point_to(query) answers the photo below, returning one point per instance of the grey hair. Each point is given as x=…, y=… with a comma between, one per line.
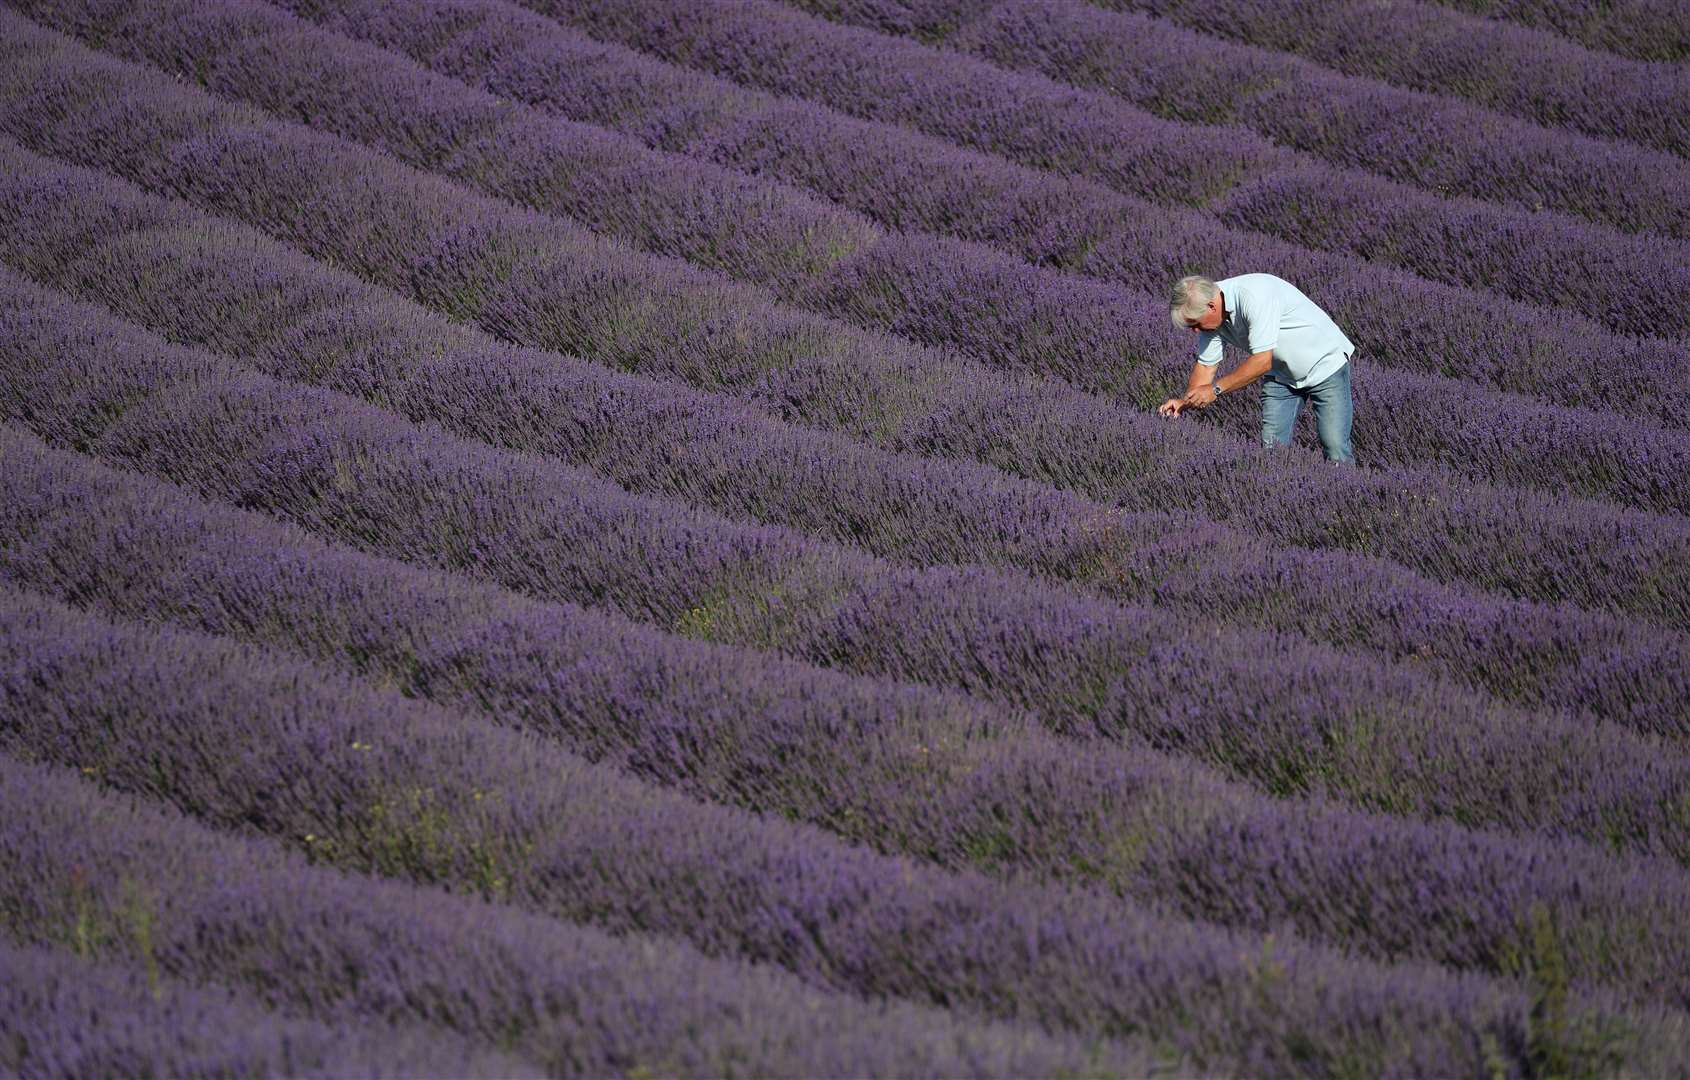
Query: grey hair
x=1190, y=295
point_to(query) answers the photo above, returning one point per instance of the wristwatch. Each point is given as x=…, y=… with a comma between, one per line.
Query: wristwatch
x=1216, y=386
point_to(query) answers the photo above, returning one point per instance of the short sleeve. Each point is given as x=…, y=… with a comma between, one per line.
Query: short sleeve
x=1208, y=348
x=1263, y=313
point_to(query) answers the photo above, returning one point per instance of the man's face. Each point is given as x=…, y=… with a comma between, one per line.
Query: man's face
x=1211, y=317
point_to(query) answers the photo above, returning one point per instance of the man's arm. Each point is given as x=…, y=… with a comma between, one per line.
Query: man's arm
x=1202, y=388
x=1244, y=374
x=1202, y=377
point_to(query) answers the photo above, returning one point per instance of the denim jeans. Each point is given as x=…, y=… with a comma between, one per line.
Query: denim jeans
x=1332, y=412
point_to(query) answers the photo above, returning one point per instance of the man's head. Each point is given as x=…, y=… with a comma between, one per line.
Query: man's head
x=1196, y=303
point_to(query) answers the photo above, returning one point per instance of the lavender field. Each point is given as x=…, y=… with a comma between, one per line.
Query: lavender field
x=633, y=537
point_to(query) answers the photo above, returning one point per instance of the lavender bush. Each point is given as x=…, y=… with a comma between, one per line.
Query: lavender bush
x=509, y=273
x=1639, y=29
x=907, y=181
x=1246, y=182
x=193, y=279
x=401, y=789
x=991, y=308
x=1428, y=47
x=636, y=536
x=151, y=887
x=1086, y=667
x=67, y=1016
x=1420, y=45
x=1429, y=141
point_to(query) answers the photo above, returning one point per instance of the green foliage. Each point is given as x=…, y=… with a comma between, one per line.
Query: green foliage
x=425, y=835
x=821, y=249
x=130, y=927
x=990, y=848
x=1559, y=1044
x=88, y=932
x=137, y=915
x=763, y=607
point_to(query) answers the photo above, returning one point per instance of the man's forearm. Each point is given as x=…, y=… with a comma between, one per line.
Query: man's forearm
x=1201, y=375
x=1244, y=374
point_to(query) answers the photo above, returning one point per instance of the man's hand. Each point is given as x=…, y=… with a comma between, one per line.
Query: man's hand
x=1200, y=398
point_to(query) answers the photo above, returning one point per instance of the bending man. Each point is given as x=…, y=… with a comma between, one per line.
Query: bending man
x=1295, y=349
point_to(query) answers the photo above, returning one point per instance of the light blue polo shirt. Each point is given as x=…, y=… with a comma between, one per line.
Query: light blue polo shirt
x=1264, y=312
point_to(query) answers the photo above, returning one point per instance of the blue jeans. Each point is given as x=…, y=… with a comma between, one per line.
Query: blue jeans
x=1332, y=412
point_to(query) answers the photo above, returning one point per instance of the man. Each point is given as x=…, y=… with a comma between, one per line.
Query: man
x=1294, y=348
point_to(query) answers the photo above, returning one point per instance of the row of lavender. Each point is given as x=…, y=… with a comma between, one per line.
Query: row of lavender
x=1639, y=29
x=1031, y=320
x=1417, y=44
x=193, y=278
x=388, y=786
x=1433, y=142
x=149, y=888
x=1086, y=667
x=67, y=1014
x=1242, y=181
x=129, y=543
x=1427, y=47
x=399, y=788
x=531, y=279
x=1035, y=320
x=1278, y=1014
x=908, y=181
x=247, y=581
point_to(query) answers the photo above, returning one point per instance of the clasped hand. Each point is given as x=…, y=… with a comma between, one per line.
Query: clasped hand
x=1200, y=398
